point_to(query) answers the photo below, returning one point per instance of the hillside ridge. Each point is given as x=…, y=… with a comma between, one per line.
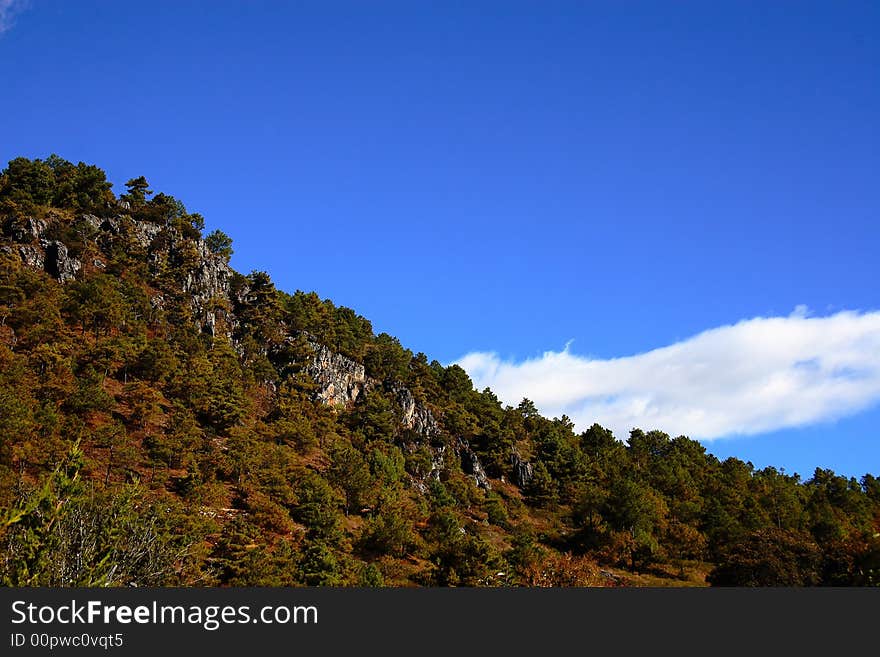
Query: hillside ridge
x=340, y=379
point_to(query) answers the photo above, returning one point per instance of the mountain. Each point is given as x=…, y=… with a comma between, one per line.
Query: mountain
x=167, y=420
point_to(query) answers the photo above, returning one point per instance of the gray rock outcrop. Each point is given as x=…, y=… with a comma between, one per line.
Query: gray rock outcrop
x=463, y=455
x=59, y=263
x=206, y=283
x=415, y=415
x=521, y=471
x=32, y=257
x=470, y=464
x=145, y=232
x=340, y=379
x=25, y=230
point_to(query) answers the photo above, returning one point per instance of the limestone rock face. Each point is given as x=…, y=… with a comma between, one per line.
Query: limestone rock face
x=470, y=465
x=340, y=379
x=58, y=262
x=521, y=471
x=208, y=281
x=145, y=232
x=32, y=257
x=462, y=453
x=37, y=252
x=25, y=230
x=415, y=415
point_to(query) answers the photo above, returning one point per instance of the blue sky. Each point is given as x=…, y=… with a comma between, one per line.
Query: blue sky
x=490, y=182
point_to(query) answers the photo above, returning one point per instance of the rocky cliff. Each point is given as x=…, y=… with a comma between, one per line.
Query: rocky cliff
x=38, y=250
x=340, y=379
x=207, y=279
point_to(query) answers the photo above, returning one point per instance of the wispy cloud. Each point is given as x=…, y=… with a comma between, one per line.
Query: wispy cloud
x=9, y=9
x=755, y=376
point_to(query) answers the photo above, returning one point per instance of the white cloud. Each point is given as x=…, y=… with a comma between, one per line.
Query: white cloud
x=758, y=375
x=8, y=11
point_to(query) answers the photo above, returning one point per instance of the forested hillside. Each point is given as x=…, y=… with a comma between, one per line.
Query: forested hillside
x=165, y=420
